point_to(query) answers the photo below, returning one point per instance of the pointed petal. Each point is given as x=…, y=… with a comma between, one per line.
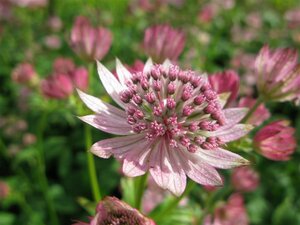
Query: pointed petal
x=122, y=72
x=232, y=133
x=165, y=169
x=135, y=162
x=98, y=106
x=199, y=171
x=148, y=66
x=107, y=124
x=221, y=158
x=233, y=116
x=117, y=146
x=166, y=64
x=110, y=83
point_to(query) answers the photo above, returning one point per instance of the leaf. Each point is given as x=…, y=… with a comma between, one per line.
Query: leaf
x=7, y=218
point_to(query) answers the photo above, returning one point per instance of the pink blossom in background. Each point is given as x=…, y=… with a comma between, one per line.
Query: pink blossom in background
x=90, y=43
x=152, y=5
x=171, y=123
x=293, y=18
x=260, y=115
x=28, y=139
x=254, y=20
x=5, y=10
x=226, y=82
x=278, y=74
x=80, y=78
x=24, y=73
x=231, y=213
x=52, y=41
x=207, y=13
x=244, y=179
x=55, y=23
x=163, y=42
x=57, y=86
x=30, y=3
x=276, y=141
x=115, y=212
x=63, y=65
x=4, y=190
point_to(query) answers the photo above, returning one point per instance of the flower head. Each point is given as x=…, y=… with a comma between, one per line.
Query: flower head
x=260, y=115
x=233, y=212
x=278, y=74
x=276, y=141
x=163, y=42
x=113, y=211
x=4, y=190
x=226, y=82
x=24, y=73
x=245, y=179
x=89, y=42
x=172, y=124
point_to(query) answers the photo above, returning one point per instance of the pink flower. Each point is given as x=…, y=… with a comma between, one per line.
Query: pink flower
x=276, y=141
x=260, y=115
x=24, y=73
x=80, y=78
x=63, y=65
x=232, y=213
x=52, y=41
x=208, y=13
x=163, y=42
x=55, y=23
x=293, y=18
x=172, y=123
x=278, y=75
x=4, y=190
x=57, y=86
x=30, y=3
x=113, y=211
x=89, y=42
x=244, y=179
x=226, y=82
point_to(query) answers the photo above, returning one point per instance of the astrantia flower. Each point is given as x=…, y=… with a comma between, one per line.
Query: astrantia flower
x=163, y=42
x=276, y=141
x=24, y=73
x=278, y=74
x=172, y=123
x=112, y=211
x=89, y=42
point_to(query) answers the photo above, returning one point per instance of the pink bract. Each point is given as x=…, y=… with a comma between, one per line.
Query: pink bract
x=278, y=74
x=113, y=211
x=90, y=43
x=276, y=141
x=260, y=115
x=226, y=82
x=172, y=124
x=163, y=42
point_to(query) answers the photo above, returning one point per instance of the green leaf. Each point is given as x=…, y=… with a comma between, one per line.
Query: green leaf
x=7, y=218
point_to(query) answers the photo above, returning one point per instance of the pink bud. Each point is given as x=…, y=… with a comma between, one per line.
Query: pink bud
x=24, y=73
x=276, y=141
x=245, y=179
x=63, y=65
x=57, y=86
x=4, y=190
x=80, y=78
x=89, y=42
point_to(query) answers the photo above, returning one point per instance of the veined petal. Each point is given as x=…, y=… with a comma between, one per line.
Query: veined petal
x=221, y=158
x=122, y=72
x=199, y=171
x=148, y=66
x=98, y=106
x=233, y=116
x=107, y=124
x=232, y=133
x=110, y=83
x=117, y=146
x=135, y=162
x=165, y=169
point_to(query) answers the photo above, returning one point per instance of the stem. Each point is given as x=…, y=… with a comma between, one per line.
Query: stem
x=91, y=165
x=173, y=203
x=41, y=171
x=140, y=183
x=252, y=110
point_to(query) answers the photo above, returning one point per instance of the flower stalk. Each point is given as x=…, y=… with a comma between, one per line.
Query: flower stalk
x=252, y=110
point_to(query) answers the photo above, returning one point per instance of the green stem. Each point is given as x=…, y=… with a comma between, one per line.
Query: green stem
x=91, y=165
x=42, y=171
x=173, y=203
x=140, y=183
x=252, y=110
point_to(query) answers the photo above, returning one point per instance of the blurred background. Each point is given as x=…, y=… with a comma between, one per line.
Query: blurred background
x=43, y=163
